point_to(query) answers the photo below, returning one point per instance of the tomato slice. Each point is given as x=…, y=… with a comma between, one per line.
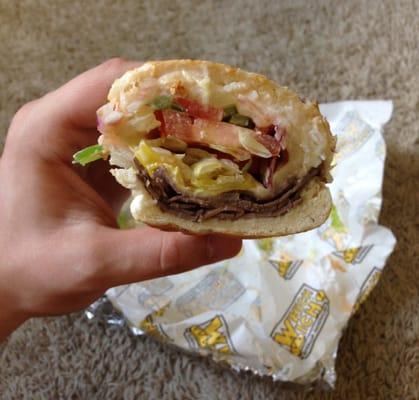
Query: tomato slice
x=198, y=110
x=218, y=133
x=227, y=135
x=183, y=126
x=175, y=123
x=221, y=135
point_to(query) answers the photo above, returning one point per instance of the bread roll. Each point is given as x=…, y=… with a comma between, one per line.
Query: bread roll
x=208, y=148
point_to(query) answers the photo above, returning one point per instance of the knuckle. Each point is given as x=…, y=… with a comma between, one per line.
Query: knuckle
x=91, y=255
x=170, y=256
x=91, y=258
x=115, y=63
x=89, y=270
x=22, y=122
x=24, y=112
x=86, y=259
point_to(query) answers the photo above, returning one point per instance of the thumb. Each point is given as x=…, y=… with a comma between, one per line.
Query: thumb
x=135, y=255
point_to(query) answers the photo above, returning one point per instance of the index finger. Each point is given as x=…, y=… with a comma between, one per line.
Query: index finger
x=76, y=102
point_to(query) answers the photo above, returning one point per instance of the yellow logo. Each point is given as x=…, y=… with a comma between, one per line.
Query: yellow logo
x=366, y=288
x=210, y=335
x=300, y=326
x=286, y=268
x=151, y=328
x=354, y=255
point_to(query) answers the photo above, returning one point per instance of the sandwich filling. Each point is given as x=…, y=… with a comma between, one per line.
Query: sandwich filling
x=212, y=149
x=229, y=205
x=202, y=162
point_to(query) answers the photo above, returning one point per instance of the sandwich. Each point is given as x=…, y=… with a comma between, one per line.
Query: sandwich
x=208, y=148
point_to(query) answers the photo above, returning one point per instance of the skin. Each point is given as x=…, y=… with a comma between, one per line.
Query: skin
x=60, y=248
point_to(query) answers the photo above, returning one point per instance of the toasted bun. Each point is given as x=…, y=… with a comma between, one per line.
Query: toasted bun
x=309, y=140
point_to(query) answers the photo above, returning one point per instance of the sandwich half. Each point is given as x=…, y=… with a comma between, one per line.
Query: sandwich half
x=208, y=148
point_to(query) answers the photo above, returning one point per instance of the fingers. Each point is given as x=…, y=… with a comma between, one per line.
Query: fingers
x=140, y=254
x=76, y=102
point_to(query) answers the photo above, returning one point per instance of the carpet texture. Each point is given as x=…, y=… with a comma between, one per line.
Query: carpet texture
x=328, y=50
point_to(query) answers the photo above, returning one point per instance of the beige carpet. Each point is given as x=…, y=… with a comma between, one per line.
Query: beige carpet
x=326, y=50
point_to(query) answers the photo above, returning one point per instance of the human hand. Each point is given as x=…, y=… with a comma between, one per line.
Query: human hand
x=60, y=248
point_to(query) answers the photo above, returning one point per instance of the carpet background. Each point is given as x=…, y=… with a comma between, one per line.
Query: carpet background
x=328, y=50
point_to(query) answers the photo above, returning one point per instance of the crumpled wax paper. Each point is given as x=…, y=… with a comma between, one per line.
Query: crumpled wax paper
x=279, y=307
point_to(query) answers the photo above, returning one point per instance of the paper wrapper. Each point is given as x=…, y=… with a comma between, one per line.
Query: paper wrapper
x=280, y=306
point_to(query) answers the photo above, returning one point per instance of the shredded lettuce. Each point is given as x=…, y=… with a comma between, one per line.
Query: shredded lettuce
x=228, y=112
x=240, y=120
x=165, y=102
x=88, y=155
x=162, y=102
x=231, y=115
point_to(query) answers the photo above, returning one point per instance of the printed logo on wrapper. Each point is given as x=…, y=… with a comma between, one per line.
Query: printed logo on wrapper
x=217, y=291
x=301, y=324
x=286, y=267
x=366, y=288
x=354, y=255
x=149, y=326
x=210, y=335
